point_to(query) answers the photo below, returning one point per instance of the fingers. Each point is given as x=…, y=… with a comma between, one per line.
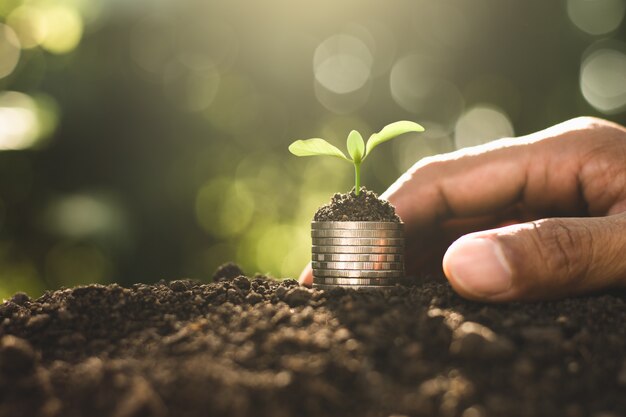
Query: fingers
x=539, y=260
x=572, y=169
x=558, y=171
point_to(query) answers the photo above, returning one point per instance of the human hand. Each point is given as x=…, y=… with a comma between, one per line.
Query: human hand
x=508, y=194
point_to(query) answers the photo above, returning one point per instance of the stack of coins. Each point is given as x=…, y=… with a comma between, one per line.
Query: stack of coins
x=357, y=254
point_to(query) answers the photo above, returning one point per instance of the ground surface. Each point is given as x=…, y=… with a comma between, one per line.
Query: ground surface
x=255, y=347
x=351, y=207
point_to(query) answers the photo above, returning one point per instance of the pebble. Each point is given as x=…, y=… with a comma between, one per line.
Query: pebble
x=20, y=298
x=280, y=292
x=180, y=285
x=16, y=355
x=253, y=298
x=72, y=339
x=38, y=321
x=473, y=340
x=297, y=296
x=64, y=315
x=242, y=283
x=226, y=272
x=233, y=295
x=289, y=282
x=474, y=411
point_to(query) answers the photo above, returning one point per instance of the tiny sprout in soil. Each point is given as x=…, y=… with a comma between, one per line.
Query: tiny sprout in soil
x=357, y=148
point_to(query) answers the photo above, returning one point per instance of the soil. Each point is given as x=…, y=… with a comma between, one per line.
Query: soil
x=350, y=207
x=259, y=347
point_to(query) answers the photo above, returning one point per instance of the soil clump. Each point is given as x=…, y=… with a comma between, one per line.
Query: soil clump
x=350, y=207
x=260, y=347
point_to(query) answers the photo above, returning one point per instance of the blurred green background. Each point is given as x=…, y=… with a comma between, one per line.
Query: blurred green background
x=147, y=139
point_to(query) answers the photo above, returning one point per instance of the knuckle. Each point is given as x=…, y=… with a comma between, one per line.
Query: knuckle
x=602, y=174
x=564, y=247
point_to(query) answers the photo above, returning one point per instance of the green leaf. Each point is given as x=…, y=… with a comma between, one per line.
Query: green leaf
x=313, y=147
x=391, y=131
x=356, y=146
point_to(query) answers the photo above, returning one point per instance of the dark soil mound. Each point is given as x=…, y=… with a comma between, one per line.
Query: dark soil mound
x=256, y=347
x=350, y=207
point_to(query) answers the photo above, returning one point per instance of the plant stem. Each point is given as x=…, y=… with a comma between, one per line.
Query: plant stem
x=357, y=178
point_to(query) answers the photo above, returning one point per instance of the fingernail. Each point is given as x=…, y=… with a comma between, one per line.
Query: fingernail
x=478, y=266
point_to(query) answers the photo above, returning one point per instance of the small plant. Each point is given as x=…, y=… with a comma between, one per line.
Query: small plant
x=357, y=148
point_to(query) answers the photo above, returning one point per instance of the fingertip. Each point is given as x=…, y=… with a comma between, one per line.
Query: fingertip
x=477, y=268
x=306, y=277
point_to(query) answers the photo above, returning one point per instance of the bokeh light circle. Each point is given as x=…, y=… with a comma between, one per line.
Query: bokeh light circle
x=63, y=29
x=417, y=85
x=29, y=24
x=9, y=50
x=603, y=79
x=596, y=17
x=90, y=215
x=224, y=207
x=192, y=82
x=26, y=120
x=380, y=42
x=481, y=124
x=19, y=126
x=342, y=103
x=342, y=64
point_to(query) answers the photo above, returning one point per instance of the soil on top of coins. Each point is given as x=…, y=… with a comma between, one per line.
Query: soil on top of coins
x=258, y=347
x=350, y=207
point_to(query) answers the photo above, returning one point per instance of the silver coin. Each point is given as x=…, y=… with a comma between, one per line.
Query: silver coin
x=357, y=249
x=354, y=281
x=357, y=225
x=350, y=273
x=357, y=257
x=376, y=266
x=357, y=241
x=356, y=233
x=352, y=287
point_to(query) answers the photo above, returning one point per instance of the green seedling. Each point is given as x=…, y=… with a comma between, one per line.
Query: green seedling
x=357, y=149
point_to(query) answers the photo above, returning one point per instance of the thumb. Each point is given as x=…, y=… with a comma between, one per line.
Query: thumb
x=539, y=260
